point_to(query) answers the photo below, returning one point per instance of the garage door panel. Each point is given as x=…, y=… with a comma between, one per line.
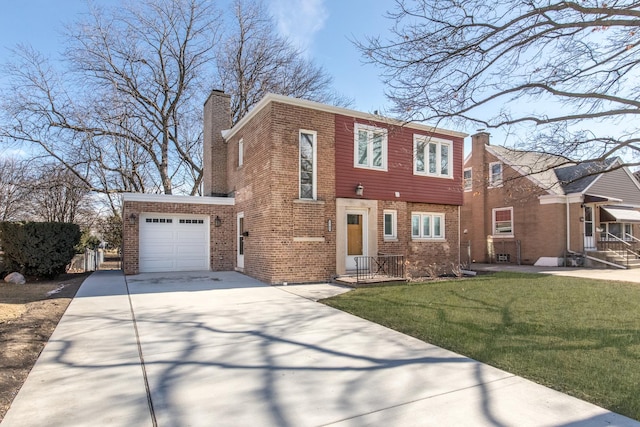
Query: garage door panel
x=191, y=236
x=172, y=243
x=189, y=251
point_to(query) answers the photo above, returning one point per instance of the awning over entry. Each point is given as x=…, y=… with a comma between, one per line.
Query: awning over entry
x=619, y=214
x=593, y=198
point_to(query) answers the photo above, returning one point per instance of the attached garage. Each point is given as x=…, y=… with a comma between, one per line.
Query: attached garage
x=173, y=243
x=177, y=233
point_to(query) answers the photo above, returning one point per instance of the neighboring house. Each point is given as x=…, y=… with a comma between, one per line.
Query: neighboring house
x=535, y=208
x=297, y=191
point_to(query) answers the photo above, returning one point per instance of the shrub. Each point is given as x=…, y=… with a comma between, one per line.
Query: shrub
x=42, y=249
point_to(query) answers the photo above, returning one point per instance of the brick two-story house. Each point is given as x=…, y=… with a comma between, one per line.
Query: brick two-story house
x=536, y=208
x=296, y=190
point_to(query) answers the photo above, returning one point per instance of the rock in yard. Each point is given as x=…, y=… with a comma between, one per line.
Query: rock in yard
x=15, y=278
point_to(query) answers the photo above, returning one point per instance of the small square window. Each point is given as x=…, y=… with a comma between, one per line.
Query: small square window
x=390, y=225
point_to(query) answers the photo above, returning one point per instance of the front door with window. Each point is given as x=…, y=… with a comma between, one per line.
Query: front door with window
x=356, y=237
x=589, y=237
x=240, y=227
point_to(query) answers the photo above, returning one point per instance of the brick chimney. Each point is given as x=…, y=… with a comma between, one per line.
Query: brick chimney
x=480, y=219
x=217, y=117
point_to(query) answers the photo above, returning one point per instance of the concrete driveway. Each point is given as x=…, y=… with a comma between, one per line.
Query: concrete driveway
x=223, y=349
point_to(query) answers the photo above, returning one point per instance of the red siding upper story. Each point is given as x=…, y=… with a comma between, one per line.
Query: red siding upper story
x=399, y=177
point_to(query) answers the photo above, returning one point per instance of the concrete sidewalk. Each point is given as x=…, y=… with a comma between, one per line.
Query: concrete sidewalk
x=224, y=349
x=630, y=275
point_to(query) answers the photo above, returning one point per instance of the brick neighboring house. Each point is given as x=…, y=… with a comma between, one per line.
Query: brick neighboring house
x=297, y=189
x=534, y=208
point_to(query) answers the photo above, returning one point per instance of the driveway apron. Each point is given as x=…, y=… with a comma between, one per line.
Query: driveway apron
x=223, y=349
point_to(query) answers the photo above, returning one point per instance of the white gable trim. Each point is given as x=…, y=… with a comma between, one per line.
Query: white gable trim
x=170, y=198
x=519, y=170
x=549, y=199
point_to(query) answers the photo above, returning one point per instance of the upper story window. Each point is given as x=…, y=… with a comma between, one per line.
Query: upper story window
x=432, y=156
x=467, y=179
x=240, y=153
x=502, y=222
x=370, y=148
x=308, y=164
x=495, y=174
x=390, y=225
x=427, y=225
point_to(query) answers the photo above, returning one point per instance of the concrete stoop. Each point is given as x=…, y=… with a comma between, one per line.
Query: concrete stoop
x=615, y=258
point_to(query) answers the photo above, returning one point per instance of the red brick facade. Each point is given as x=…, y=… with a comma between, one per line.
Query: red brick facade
x=295, y=240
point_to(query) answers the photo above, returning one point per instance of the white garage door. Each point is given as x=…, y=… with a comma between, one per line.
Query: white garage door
x=173, y=243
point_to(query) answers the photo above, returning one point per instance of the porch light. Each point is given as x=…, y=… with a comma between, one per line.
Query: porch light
x=217, y=221
x=359, y=190
x=132, y=218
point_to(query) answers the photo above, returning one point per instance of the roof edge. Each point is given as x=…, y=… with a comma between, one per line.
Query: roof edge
x=172, y=198
x=272, y=97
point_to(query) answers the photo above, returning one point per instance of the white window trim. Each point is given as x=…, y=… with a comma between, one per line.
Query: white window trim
x=240, y=152
x=464, y=182
x=422, y=236
x=417, y=139
x=370, y=129
x=394, y=225
x=495, y=184
x=314, y=188
x=493, y=223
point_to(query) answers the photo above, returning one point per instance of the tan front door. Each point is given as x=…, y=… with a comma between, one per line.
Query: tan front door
x=355, y=237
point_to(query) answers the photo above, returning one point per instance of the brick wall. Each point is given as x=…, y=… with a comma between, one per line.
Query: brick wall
x=217, y=117
x=421, y=255
x=541, y=229
x=288, y=238
x=222, y=239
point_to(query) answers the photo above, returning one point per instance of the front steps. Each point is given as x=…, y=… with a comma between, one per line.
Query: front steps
x=616, y=258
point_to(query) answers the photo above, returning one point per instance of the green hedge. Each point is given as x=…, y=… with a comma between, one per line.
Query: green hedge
x=41, y=249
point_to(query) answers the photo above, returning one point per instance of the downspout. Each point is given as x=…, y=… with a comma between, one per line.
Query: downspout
x=459, y=238
x=568, y=226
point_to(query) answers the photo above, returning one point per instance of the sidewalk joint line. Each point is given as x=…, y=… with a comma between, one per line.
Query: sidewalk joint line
x=145, y=378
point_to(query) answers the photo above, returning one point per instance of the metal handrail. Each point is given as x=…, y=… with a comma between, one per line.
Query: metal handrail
x=615, y=238
x=631, y=237
x=381, y=266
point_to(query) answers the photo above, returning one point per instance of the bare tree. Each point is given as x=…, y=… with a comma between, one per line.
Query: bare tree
x=135, y=83
x=13, y=192
x=566, y=71
x=58, y=195
x=255, y=60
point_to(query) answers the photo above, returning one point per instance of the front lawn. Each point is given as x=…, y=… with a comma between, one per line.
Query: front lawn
x=579, y=336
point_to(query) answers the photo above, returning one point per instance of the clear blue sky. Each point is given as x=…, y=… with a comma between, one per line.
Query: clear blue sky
x=324, y=28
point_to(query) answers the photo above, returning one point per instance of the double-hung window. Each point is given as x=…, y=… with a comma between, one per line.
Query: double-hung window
x=432, y=156
x=390, y=225
x=370, y=147
x=426, y=225
x=502, y=222
x=495, y=174
x=308, y=164
x=467, y=179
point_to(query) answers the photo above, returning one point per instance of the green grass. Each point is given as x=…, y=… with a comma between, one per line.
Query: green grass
x=578, y=336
